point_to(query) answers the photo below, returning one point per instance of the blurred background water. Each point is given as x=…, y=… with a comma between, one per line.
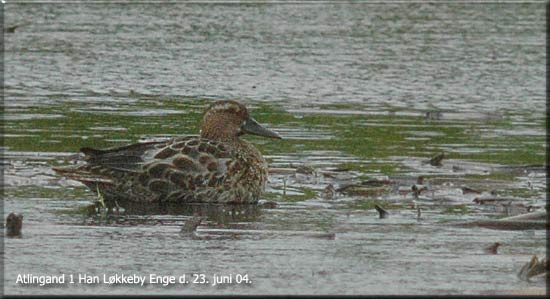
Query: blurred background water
x=410, y=80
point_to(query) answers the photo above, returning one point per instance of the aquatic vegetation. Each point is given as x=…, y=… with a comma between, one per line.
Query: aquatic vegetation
x=370, y=204
x=344, y=92
x=364, y=136
x=307, y=193
x=373, y=139
x=521, y=193
x=457, y=209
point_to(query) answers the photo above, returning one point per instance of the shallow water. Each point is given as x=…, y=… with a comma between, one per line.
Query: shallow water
x=358, y=91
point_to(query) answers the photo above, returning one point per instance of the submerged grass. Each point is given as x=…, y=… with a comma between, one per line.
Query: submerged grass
x=457, y=209
x=493, y=176
x=307, y=193
x=383, y=136
x=524, y=193
x=367, y=137
x=374, y=139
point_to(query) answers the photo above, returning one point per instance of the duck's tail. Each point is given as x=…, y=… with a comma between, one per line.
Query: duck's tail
x=81, y=174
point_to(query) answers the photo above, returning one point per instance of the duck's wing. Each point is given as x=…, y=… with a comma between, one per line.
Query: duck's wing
x=178, y=164
x=188, y=164
x=128, y=158
x=101, y=165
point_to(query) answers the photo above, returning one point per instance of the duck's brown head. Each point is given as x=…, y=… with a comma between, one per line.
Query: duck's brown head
x=227, y=120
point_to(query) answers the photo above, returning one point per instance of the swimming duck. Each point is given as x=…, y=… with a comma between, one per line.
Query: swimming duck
x=215, y=167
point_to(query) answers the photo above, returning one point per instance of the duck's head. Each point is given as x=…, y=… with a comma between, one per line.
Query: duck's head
x=227, y=120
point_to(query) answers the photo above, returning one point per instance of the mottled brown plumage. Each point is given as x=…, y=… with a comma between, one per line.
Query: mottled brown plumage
x=216, y=166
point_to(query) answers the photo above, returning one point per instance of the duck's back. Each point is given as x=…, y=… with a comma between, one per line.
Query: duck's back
x=184, y=169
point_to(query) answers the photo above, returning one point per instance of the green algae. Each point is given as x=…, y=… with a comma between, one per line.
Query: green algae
x=28, y=191
x=493, y=176
x=457, y=209
x=308, y=193
x=384, y=136
x=373, y=139
x=366, y=137
x=523, y=193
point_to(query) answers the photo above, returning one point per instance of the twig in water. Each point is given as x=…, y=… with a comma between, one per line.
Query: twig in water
x=99, y=196
x=14, y=224
x=11, y=29
x=329, y=192
x=466, y=190
x=190, y=226
x=284, y=186
x=117, y=208
x=492, y=249
x=382, y=213
x=436, y=160
x=533, y=268
x=269, y=205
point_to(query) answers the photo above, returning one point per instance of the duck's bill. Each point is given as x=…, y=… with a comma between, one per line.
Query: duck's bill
x=251, y=126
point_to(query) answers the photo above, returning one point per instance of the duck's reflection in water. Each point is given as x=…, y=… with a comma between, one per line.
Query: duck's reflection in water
x=213, y=215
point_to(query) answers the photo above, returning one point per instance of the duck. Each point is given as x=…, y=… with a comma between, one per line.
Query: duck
x=217, y=166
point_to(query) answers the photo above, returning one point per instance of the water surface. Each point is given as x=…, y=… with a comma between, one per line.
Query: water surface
x=359, y=91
